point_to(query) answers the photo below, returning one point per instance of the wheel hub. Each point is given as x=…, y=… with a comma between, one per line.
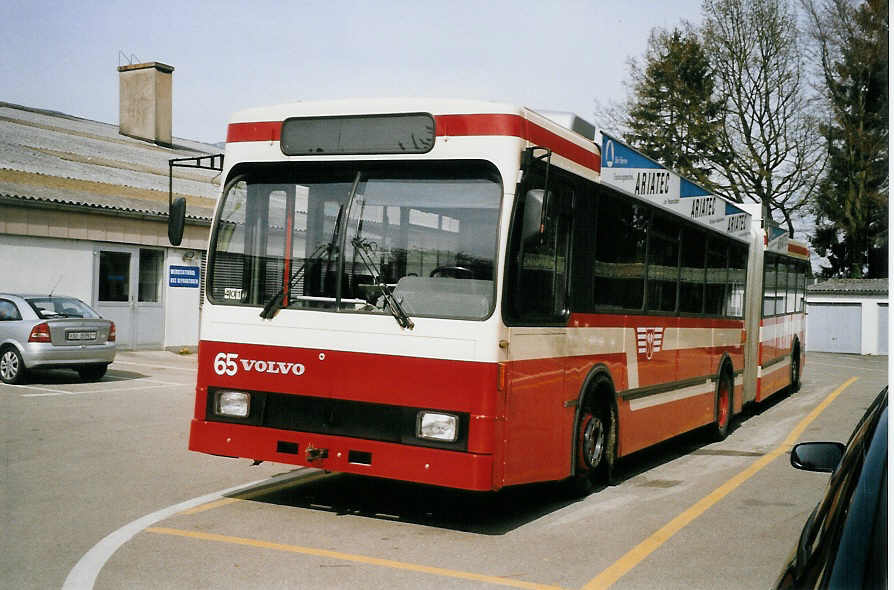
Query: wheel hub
x=593, y=442
x=9, y=365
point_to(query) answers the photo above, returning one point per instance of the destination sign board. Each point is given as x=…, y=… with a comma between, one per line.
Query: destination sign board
x=630, y=171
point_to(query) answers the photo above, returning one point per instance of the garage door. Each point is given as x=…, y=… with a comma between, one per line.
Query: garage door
x=883, y=328
x=833, y=327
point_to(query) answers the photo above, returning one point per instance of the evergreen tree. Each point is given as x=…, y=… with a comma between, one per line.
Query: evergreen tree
x=852, y=204
x=672, y=116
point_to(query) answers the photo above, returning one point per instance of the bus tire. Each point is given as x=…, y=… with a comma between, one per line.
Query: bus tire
x=594, y=447
x=795, y=374
x=723, y=405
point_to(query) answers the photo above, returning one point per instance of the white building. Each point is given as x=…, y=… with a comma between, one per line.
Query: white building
x=848, y=315
x=83, y=211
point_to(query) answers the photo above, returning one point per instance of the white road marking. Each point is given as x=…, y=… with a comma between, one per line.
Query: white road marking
x=58, y=392
x=156, y=365
x=83, y=575
x=46, y=389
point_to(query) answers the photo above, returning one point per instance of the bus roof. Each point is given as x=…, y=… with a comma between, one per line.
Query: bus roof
x=453, y=118
x=372, y=106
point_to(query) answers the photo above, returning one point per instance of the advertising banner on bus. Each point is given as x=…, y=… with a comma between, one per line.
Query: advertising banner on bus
x=625, y=168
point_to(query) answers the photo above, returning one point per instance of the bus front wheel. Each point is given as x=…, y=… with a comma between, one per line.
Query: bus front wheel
x=594, y=448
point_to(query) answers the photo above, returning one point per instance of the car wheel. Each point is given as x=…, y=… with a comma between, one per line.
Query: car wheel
x=12, y=367
x=92, y=372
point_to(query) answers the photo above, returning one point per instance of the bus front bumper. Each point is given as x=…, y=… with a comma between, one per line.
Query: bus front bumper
x=454, y=469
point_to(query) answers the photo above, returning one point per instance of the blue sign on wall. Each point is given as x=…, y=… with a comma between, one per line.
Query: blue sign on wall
x=184, y=276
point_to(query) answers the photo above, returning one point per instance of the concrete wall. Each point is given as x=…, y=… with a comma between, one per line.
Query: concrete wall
x=25, y=221
x=181, y=304
x=35, y=265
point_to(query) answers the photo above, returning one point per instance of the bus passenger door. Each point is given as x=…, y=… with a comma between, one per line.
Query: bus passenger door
x=537, y=310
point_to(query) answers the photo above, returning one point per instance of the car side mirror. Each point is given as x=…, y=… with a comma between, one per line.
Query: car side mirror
x=176, y=221
x=817, y=456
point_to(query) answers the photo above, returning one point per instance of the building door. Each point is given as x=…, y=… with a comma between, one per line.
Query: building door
x=834, y=327
x=883, y=328
x=128, y=291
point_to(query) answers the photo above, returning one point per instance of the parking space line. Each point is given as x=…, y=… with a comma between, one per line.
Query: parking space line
x=59, y=393
x=632, y=558
x=363, y=559
x=83, y=575
x=44, y=389
x=156, y=365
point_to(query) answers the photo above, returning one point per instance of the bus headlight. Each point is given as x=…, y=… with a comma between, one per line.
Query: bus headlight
x=437, y=426
x=235, y=404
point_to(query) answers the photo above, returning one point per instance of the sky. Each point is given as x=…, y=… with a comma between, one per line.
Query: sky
x=544, y=54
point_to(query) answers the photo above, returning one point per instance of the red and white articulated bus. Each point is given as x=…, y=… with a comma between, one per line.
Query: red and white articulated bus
x=476, y=295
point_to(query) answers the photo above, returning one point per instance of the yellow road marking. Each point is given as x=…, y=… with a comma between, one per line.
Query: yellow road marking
x=633, y=557
x=251, y=494
x=437, y=571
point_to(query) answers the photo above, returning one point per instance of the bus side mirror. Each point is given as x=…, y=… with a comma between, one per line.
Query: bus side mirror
x=534, y=222
x=176, y=221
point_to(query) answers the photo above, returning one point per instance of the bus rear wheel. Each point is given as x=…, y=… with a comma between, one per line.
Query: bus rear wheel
x=795, y=371
x=723, y=406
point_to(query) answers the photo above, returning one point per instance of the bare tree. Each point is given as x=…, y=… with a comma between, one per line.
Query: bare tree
x=771, y=152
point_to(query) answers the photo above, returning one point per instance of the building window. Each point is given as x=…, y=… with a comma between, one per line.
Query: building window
x=114, y=276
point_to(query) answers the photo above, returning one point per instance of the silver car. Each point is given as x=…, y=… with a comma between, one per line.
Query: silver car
x=53, y=331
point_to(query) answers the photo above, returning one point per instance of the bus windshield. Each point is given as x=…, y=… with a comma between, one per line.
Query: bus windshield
x=343, y=237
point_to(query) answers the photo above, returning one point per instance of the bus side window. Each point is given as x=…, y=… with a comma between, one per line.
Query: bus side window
x=692, y=271
x=717, y=270
x=664, y=262
x=769, y=286
x=619, y=265
x=735, y=291
x=540, y=282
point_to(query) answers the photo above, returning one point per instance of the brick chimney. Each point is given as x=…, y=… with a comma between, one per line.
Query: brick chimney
x=145, y=101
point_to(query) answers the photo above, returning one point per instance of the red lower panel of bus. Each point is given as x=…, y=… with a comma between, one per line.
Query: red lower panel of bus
x=774, y=381
x=348, y=455
x=642, y=428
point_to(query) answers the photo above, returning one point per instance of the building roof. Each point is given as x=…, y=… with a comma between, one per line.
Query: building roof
x=50, y=159
x=850, y=287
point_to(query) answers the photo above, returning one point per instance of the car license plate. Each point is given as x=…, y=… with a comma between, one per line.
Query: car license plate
x=81, y=336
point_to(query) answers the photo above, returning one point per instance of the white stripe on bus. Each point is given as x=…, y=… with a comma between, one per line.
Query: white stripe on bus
x=672, y=396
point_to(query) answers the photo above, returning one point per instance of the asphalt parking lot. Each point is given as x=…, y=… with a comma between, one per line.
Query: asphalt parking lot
x=99, y=491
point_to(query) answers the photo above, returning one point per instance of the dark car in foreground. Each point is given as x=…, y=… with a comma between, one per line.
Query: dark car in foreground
x=52, y=331
x=845, y=541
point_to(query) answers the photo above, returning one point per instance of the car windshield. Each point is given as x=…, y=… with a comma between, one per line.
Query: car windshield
x=61, y=307
x=405, y=239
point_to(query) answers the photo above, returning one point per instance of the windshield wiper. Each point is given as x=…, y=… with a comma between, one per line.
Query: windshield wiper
x=365, y=249
x=275, y=303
